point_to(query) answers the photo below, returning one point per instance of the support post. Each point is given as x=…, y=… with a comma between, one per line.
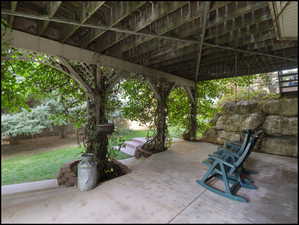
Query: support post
x=157, y=144
x=190, y=133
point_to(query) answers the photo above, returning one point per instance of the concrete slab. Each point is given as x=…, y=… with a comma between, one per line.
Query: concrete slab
x=162, y=189
x=275, y=200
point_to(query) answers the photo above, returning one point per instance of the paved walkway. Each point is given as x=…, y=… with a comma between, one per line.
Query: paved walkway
x=162, y=189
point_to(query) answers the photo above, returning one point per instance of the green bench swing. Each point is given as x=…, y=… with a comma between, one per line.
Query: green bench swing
x=233, y=150
x=228, y=168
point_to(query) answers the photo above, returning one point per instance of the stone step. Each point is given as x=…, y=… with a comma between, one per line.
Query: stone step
x=132, y=144
x=139, y=139
x=128, y=150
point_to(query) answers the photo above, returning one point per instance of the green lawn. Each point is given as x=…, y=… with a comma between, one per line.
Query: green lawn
x=46, y=165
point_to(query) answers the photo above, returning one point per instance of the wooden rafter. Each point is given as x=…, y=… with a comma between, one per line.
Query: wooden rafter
x=38, y=44
x=125, y=14
x=172, y=53
x=157, y=13
x=203, y=31
x=52, y=9
x=13, y=9
x=46, y=18
x=178, y=22
x=89, y=8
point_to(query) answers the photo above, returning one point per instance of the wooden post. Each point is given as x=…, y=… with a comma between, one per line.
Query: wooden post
x=190, y=134
x=161, y=89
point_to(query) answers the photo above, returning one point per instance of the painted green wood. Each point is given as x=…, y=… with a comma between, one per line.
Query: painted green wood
x=229, y=169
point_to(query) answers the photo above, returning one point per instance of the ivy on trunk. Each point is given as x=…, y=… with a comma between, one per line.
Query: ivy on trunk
x=190, y=134
x=161, y=89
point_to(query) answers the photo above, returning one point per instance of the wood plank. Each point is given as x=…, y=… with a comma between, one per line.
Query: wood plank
x=13, y=9
x=31, y=42
x=126, y=13
x=89, y=8
x=144, y=34
x=53, y=7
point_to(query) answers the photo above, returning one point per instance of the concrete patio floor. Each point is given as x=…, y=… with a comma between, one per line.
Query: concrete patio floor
x=162, y=189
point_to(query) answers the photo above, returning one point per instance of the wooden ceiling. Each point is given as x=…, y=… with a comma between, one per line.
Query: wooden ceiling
x=195, y=40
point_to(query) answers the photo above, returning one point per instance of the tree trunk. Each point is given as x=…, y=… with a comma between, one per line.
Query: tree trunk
x=62, y=131
x=97, y=142
x=190, y=134
x=157, y=143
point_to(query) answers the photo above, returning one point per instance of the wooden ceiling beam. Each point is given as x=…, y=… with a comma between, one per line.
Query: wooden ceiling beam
x=187, y=53
x=89, y=8
x=158, y=11
x=53, y=6
x=191, y=28
x=46, y=18
x=157, y=55
x=117, y=16
x=203, y=31
x=13, y=9
x=35, y=43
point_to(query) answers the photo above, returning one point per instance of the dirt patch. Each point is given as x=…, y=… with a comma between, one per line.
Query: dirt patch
x=36, y=145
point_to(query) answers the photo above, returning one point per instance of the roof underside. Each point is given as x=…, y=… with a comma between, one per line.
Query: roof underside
x=169, y=36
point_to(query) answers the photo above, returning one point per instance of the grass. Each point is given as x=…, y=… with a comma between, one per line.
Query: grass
x=36, y=167
x=45, y=165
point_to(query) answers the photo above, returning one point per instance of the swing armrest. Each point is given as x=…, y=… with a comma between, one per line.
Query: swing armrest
x=221, y=161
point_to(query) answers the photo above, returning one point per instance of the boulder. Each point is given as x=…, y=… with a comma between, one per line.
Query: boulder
x=220, y=122
x=212, y=132
x=229, y=107
x=287, y=146
x=245, y=107
x=229, y=136
x=253, y=121
x=68, y=174
x=277, y=117
x=234, y=122
x=280, y=125
x=283, y=107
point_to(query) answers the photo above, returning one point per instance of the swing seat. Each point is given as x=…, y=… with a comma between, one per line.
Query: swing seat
x=233, y=147
x=234, y=153
x=229, y=171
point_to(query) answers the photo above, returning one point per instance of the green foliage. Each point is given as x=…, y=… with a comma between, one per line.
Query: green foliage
x=25, y=82
x=178, y=108
x=26, y=122
x=139, y=101
x=243, y=91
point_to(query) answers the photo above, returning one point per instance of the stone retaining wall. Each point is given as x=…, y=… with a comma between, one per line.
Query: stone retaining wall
x=277, y=117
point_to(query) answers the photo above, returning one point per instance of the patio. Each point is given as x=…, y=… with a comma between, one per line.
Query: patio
x=162, y=189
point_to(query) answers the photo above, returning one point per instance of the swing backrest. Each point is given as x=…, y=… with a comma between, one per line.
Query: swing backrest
x=256, y=137
x=249, y=147
x=248, y=133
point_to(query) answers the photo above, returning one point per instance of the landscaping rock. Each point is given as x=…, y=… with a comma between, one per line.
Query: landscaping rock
x=277, y=117
x=229, y=136
x=287, y=146
x=253, y=121
x=234, y=122
x=67, y=175
x=283, y=107
x=279, y=125
x=244, y=107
